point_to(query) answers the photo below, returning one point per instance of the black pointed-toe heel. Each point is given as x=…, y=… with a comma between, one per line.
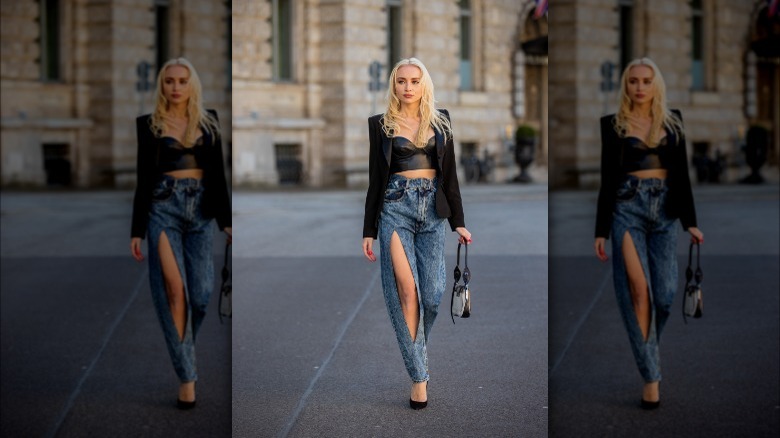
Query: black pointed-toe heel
x=417, y=405
x=650, y=405
x=185, y=405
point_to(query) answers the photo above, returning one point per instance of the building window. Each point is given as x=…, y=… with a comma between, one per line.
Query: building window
x=466, y=77
x=229, y=44
x=697, y=49
x=288, y=163
x=282, y=16
x=50, y=40
x=56, y=163
x=162, y=31
x=394, y=33
x=626, y=8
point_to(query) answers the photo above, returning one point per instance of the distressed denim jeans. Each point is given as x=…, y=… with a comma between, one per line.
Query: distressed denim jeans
x=410, y=210
x=640, y=211
x=177, y=211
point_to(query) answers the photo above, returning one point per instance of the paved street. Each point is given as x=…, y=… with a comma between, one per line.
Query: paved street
x=314, y=353
x=720, y=372
x=82, y=351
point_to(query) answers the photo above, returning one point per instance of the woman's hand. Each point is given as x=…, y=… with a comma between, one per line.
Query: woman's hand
x=599, y=247
x=229, y=232
x=135, y=249
x=368, y=245
x=696, y=235
x=465, y=236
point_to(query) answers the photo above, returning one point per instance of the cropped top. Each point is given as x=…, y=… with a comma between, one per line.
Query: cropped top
x=176, y=156
x=406, y=156
x=638, y=156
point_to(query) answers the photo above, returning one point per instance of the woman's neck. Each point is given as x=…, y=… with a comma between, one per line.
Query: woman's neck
x=641, y=110
x=177, y=111
x=410, y=111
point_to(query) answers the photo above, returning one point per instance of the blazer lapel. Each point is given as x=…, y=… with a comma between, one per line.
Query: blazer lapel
x=440, y=149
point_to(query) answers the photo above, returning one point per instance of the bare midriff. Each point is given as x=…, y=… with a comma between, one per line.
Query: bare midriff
x=186, y=173
x=418, y=173
x=649, y=173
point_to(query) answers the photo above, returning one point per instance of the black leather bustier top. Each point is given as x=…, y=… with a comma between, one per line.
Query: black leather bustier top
x=175, y=156
x=638, y=156
x=406, y=156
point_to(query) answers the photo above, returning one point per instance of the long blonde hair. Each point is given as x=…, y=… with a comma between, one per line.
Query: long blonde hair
x=197, y=116
x=429, y=116
x=659, y=112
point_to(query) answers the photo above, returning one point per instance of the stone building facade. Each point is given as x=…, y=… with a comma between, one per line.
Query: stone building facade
x=301, y=81
x=706, y=50
x=72, y=76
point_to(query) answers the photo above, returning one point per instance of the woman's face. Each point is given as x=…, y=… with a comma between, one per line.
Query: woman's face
x=640, y=87
x=408, y=84
x=176, y=84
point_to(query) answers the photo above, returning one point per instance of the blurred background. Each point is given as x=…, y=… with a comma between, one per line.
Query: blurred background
x=75, y=74
x=721, y=64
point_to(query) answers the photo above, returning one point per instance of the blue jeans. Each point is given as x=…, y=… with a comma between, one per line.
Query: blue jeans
x=177, y=211
x=410, y=210
x=640, y=211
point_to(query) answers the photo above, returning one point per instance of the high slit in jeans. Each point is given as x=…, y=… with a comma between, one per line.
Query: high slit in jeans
x=177, y=211
x=640, y=210
x=410, y=210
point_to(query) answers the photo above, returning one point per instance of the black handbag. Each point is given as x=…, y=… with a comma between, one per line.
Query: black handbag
x=226, y=291
x=692, y=298
x=460, y=303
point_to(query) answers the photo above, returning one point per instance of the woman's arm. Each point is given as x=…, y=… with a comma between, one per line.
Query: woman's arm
x=374, y=190
x=606, y=200
x=144, y=169
x=684, y=195
x=222, y=210
x=450, y=183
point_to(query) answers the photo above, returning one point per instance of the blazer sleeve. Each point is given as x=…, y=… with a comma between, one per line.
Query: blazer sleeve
x=144, y=172
x=686, y=208
x=222, y=211
x=450, y=182
x=374, y=190
x=609, y=174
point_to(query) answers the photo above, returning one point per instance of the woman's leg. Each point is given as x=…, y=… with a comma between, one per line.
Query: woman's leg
x=404, y=280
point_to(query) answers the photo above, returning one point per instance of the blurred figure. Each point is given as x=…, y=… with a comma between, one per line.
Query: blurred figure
x=181, y=187
x=645, y=188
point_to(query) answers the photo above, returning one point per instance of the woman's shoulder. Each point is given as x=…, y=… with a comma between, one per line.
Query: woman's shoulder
x=213, y=112
x=376, y=118
x=608, y=118
x=143, y=118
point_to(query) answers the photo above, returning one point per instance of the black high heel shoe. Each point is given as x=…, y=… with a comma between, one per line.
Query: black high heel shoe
x=650, y=405
x=184, y=405
x=417, y=405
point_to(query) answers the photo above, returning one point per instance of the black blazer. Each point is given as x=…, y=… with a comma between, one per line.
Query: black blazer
x=216, y=201
x=448, y=202
x=679, y=201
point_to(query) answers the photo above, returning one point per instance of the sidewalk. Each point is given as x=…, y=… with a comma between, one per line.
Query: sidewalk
x=82, y=351
x=720, y=372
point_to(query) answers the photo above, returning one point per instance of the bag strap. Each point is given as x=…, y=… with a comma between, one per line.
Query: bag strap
x=225, y=276
x=689, y=273
x=457, y=275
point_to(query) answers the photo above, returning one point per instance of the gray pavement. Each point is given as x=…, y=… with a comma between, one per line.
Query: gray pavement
x=82, y=351
x=314, y=353
x=720, y=372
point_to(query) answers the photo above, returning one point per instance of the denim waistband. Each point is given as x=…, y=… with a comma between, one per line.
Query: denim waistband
x=649, y=183
x=182, y=183
x=411, y=183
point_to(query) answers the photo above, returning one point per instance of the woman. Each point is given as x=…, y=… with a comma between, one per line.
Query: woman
x=644, y=188
x=412, y=188
x=181, y=186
